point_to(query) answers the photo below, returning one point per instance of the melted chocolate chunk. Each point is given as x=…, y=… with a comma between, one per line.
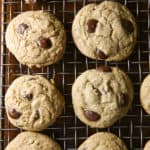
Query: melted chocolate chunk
x=91, y=25
x=31, y=79
x=28, y=96
x=13, y=113
x=44, y=42
x=21, y=28
x=127, y=25
x=37, y=115
x=104, y=69
x=92, y=116
x=100, y=54
x=123, y=100
x=97, y=91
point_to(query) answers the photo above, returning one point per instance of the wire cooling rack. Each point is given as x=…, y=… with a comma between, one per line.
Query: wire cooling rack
x=134, y=128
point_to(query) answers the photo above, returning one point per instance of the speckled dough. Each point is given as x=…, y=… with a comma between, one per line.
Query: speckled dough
x=103, y=141
x=101, y=97
x=145, y=94
x=33, y=103
x=32, y=141
x=112, y=35
x=23, y=34
x=147, y=145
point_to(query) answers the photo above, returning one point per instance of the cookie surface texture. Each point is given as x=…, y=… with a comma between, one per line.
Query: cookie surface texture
x=102, y=96
x=147, y=145
x=105, y=31
x=33, y=103
x=32, y=141
x=145, y=94
x=103, y=141
x=36, y=38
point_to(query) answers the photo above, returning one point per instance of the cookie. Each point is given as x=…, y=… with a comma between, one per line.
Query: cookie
x=103, y=141
x=147, y=145
x=33, y=103
x=31, y=1
x=32, y=141
x=102, y=96
x=34, y=1
x=145, y=94
x=105, y=31
x=36, y=38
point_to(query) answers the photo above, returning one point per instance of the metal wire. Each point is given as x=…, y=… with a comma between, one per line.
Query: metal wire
x=68, y=130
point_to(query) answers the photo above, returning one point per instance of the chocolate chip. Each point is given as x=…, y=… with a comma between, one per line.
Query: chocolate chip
x=92, y=116
x=100, y=54
x=31, y=79
x=91, y=25
x=97, y=91
x=28, y=96
x=13, y=113
x=44, y=42
x=37, y=115
x=21, y=28
x=104, y=69
x=127, y=25
x=123, y=100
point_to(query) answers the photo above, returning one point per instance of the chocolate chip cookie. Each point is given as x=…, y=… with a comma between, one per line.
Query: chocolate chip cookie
x=103, y=141
x=147, y=145
x=36, y=38
x=33, y=103
x=32, y=1
x=145, y=94
x=102, y=96
x=32, y=141
x=105, y=31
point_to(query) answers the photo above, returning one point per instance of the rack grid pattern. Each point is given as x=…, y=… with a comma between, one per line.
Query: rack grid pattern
x=134, y=128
